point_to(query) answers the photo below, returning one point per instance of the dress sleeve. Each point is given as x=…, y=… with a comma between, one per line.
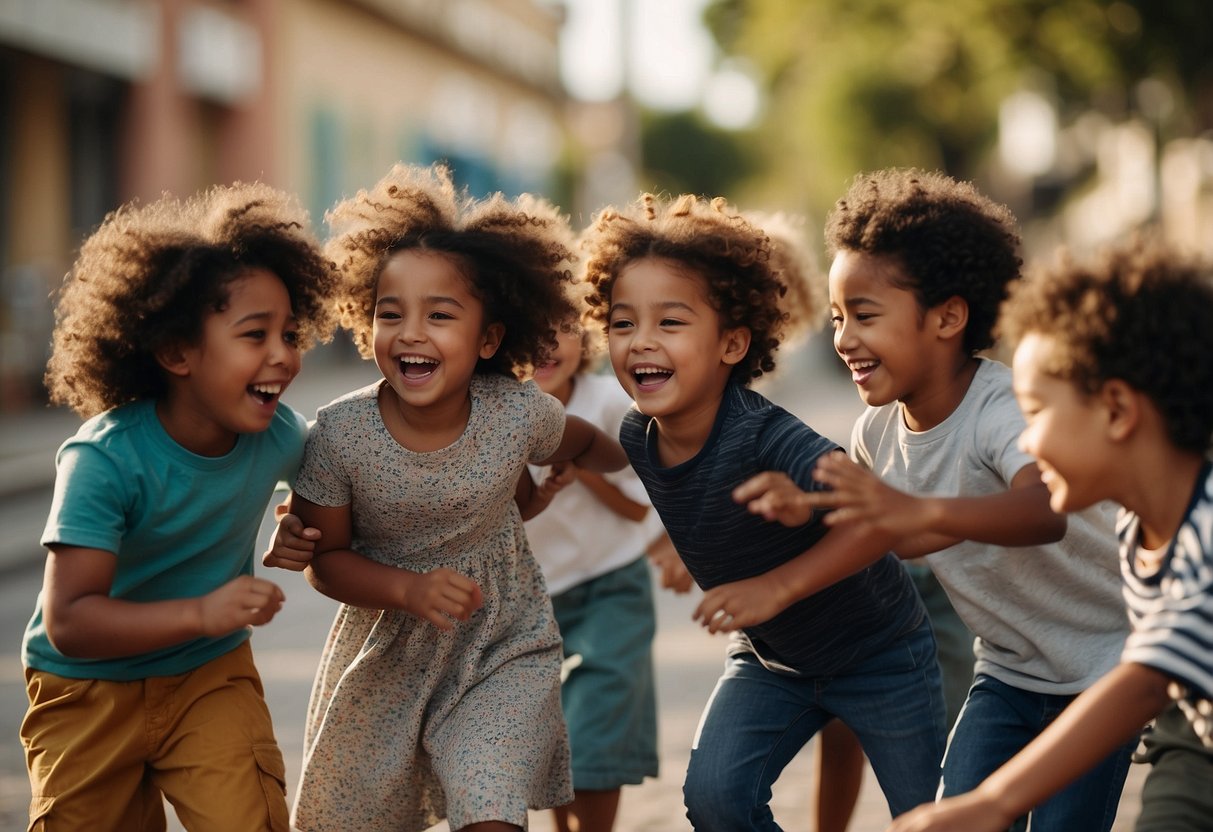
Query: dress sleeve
x=546, y=422
x=323, y=476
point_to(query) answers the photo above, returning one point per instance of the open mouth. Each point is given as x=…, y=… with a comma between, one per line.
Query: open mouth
x=861, y=371
x=416, y=367
x=265, y=393
x=546, y=369
x=650, y=378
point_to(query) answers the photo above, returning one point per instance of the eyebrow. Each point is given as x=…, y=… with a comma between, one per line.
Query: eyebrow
x=668, y=304
x=431, y=299
x=260, y=316
x=860, y=300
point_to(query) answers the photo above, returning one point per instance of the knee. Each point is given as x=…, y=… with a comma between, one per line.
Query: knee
x=716, y=802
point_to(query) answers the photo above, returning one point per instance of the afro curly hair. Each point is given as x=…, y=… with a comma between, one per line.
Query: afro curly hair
x=149, y=275
x=805, y=301
x=515, y=254
x=1109, y=319
x=950, y=238
x=713, y=240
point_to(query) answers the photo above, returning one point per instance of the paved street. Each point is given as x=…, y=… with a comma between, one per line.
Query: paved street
x=688, y=661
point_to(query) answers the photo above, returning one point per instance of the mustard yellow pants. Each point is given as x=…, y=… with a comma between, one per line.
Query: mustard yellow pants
x=101, y=754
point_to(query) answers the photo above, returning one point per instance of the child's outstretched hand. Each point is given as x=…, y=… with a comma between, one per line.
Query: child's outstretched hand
x=859, y=496
x=238, y=603
x=560, y=475
x=294, y=545
x=963, y=813
x=776, y=497
x=741, y=604
x=665, y=557
x=440, y=596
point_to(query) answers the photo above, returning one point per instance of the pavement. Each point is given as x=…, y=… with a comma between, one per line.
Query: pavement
x=809, y=383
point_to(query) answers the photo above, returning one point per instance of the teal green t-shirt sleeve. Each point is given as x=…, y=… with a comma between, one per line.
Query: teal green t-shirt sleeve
x=89, y=507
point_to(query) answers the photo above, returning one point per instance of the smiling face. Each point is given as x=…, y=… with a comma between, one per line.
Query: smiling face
x=878, y=327
x=555, y=376
x=666, y=343
x=1065, y=429
x=230, y=381
x=429, y=329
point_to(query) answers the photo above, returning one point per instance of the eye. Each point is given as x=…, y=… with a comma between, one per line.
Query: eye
x=441, y=316
x=621, y=323
x=671, y=322
x=291, y=336
x=255, y=334
x=387, y=315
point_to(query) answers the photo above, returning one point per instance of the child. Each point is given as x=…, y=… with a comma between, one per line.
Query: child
x=590, y=541
x=178, y=329
x=691, y=305
x=1108, y=420
x=921, y=263
x=438, y=690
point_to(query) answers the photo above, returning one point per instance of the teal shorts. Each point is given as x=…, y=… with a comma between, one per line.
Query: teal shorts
x=608, y=624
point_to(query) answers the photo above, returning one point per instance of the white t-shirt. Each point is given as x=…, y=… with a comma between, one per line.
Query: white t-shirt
x=577, y=537
x=1048, y=619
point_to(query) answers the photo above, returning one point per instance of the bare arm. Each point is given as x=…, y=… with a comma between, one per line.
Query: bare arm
x=588, y=447
x=1019, y=516
x=343, y=574
x=1101, y=719
x=83, y=621
x=611, y=497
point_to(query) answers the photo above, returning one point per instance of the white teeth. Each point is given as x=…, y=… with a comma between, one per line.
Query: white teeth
x=863, y=365
x=268, y=389
x=417, y=359
x=647, y=370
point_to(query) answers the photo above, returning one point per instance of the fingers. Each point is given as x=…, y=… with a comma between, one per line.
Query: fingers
x=758, y=485
x=713, y=615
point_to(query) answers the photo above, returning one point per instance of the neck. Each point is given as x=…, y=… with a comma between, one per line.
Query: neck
x=190, y=430
x=1159, y=494
x=937, y=401
x=425, y=428
x=681, y=436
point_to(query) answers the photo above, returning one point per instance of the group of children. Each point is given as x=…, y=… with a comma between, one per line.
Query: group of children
x=484, y=510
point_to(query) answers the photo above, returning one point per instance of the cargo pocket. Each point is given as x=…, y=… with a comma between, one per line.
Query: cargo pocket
x=39, y=808
x=272, y=770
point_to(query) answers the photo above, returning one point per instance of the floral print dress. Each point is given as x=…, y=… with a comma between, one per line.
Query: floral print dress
x=409, y=724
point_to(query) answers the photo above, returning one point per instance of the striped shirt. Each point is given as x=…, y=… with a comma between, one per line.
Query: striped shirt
x=721, y=542
x=1171, y=609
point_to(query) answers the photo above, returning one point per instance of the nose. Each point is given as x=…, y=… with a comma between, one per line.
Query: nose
x=844, y=336
x=411, y=329
x=642, y=339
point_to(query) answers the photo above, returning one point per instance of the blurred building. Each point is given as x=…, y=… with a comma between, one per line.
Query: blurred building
x=103, y=101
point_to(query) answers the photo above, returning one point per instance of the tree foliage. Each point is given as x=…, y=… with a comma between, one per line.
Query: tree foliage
x=860, y=84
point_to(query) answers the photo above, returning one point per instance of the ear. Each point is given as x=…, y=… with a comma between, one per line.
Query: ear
x=736, y=344
x=493, y=334
x=1123, y=407
x=173, y=359
x=952, y=315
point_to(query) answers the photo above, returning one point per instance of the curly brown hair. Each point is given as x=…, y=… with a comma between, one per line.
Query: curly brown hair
x=1139, y=312
x=712, y=239
x=515, y=255
x=149, y=275
x=951, y=239
x=805, y=302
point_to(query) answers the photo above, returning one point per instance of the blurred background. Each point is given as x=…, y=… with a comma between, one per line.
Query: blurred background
x=1087, y=117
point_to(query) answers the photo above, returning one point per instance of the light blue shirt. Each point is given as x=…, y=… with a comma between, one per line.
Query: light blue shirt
x=179, y=524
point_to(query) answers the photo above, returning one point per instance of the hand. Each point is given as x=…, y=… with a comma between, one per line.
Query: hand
x=665, y=557
x=560, y=475
x=776, y=497
x=963, y=813
x=741, y=604
x=238, y=603
x=440, y=596
x=293, y=546
x=859, y=496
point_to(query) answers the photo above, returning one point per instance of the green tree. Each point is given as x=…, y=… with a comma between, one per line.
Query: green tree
x=859, y=84
x=684, y=154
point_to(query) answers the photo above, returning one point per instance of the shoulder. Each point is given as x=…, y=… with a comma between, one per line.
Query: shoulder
x=992, y=390
x=353, y=402
x=778, y=435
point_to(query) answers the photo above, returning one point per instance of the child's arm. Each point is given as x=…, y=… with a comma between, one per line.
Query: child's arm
x=1019, y=516
x=840, y=553
x=1101, y=719
x=294, y=545
x=533, y=499
x=588, y=447
x=610, y=495
x=665, y=557
x=339, y=572
x=83, y=621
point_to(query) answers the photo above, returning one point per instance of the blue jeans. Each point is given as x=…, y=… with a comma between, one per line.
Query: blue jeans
x=996, y=722
x=757, y=720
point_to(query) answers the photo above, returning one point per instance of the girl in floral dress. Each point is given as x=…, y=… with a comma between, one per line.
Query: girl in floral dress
x=438, y=693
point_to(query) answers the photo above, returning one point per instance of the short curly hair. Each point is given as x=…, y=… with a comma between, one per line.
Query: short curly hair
x=950, y=238
x=1139, y=312
x=805, y=302
x=149, y=275
x=515, y=254
x=712, y=239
